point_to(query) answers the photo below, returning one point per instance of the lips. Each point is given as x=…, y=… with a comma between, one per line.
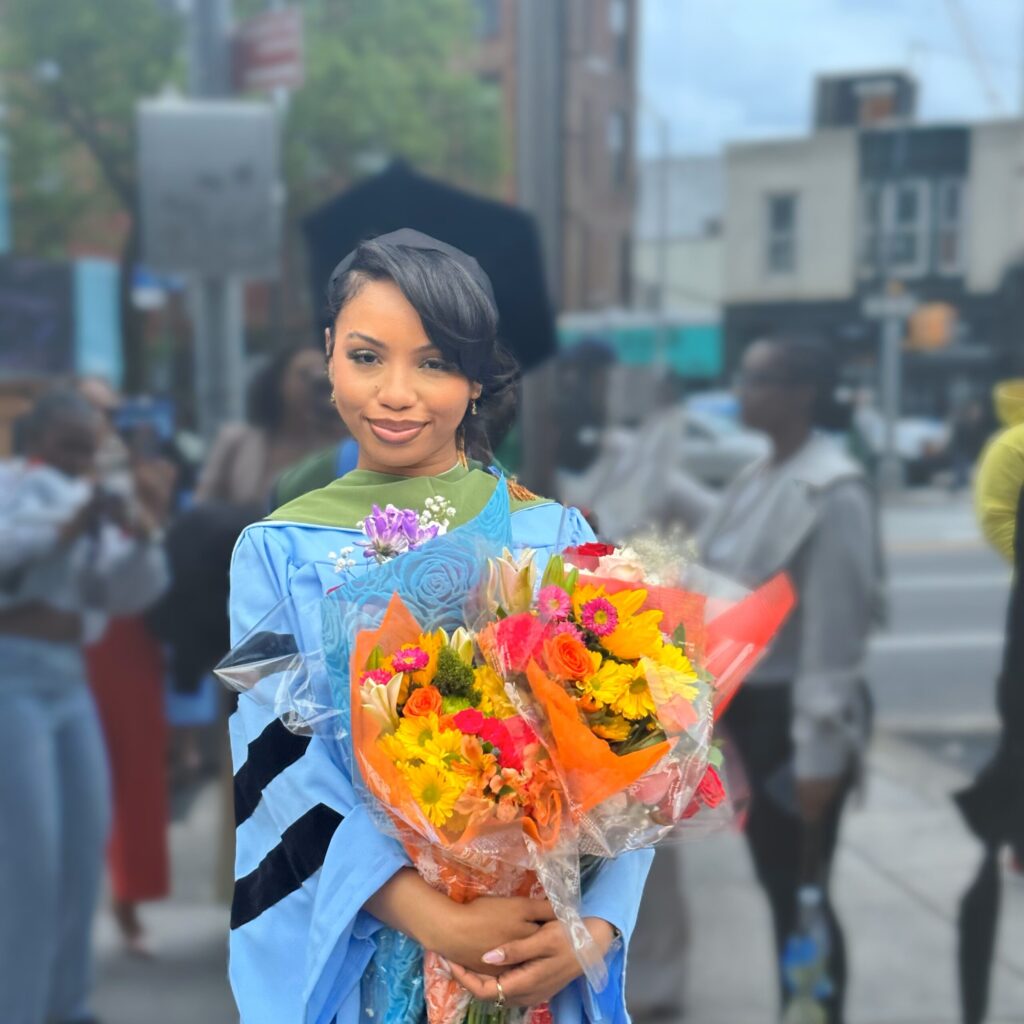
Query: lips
x=396, y=431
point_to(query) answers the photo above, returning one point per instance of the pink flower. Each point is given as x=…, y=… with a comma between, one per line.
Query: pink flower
x=568, y=628
x=554, y=602
x=599, y=616
x=470, y=722
x=380, y=676
x=516, y=639
x=410, y=659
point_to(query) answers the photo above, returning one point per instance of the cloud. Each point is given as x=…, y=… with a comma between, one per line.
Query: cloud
x=723, y=70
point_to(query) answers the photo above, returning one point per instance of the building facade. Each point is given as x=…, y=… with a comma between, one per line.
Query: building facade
x=817, y=227
x=567, y=73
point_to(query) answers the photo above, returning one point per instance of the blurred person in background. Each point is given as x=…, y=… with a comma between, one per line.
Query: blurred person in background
x=993, y=806
x=970, y=431
x=70, y=557
x=801, y=720
x=1000, y=471
x=126, y=673
x=290, y=417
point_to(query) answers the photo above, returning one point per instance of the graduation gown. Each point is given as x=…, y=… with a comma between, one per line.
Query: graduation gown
x=308, y=854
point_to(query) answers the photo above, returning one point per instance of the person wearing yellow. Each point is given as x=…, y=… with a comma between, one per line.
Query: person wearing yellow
x=1000, y=474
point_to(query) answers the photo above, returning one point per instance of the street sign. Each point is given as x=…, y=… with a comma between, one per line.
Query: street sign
x=210, y=195
x=889, y=307
x=268, y=52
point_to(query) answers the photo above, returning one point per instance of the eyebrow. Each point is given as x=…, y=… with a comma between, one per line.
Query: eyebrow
x=370, y=340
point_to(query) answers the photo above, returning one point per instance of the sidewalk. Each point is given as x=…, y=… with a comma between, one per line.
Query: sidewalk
x=903, y=864
x=187, y=983
x=904, y=861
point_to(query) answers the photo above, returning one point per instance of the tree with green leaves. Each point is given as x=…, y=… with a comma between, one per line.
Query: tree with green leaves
x=384, y=78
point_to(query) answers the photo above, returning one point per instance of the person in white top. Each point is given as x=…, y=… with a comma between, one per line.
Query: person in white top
x=68, y=560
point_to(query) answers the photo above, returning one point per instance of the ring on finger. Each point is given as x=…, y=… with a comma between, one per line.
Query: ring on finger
x=500, y=1001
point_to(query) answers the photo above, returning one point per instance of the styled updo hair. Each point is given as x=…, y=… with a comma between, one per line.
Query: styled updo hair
x=458, y=316
x=809, y=363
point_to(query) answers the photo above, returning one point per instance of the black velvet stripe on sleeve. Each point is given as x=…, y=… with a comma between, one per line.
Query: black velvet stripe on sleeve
x=269, y=754
x=299, y=854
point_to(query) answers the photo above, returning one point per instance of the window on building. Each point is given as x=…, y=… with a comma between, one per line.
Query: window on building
x=618, y=131
x=780, y=222
x=618, y=22
x=488, y=18
x=907, y=234
x=894, y=228
x=949, y=226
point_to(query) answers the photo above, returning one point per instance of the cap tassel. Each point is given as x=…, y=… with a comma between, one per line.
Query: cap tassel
x=518, y=492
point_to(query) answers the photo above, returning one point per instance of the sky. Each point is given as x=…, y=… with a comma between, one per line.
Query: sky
x=729, y=70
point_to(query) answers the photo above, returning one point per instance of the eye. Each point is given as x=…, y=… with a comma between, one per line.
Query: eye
x=440, y=365
x=363, y=356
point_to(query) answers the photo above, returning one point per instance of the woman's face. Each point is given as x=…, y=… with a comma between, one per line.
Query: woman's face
x=302, y=380
x=399, y=398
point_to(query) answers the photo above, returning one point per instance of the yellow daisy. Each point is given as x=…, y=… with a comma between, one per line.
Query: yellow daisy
x=422, y=739
x=434, y=791
x=672, y=657
x=635, y=702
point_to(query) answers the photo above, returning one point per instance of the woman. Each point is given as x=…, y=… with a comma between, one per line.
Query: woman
x=800, y=720
x=413, y=362
x=289, y=418
x=69, y=558
x=126, y=674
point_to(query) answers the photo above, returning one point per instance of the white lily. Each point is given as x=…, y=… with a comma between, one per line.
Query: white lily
x=461, y=642
x=381, y=701
x=510, y=582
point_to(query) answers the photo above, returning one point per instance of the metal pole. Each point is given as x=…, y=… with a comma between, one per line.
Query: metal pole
x=890, y=470
x=217, y=301
x=664, y=136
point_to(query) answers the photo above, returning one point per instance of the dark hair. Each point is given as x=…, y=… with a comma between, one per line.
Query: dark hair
x=51, y=407
x=264, y=401
x=810, y=364
x=458, y=317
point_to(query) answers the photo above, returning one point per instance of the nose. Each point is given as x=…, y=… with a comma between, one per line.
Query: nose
x=396, y=389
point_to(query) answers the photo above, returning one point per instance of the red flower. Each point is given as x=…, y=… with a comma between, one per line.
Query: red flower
x=493, y=731
x=519, y=737
x=711, y=792
x=593, y=549
x=470, y=721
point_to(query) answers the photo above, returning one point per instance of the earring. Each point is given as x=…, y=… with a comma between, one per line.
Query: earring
x=333, y=402
x=472, y=408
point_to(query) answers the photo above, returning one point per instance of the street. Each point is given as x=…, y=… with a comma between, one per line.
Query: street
x=904, y=858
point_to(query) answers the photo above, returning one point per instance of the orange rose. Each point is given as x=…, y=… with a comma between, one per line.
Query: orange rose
x=567, y=657
x=424, y=700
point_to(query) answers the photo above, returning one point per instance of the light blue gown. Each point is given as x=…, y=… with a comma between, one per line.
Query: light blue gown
x=308, y=854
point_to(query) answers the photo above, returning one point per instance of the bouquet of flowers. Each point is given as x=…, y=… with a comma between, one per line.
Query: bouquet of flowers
x=623, y=677
x=465, y=782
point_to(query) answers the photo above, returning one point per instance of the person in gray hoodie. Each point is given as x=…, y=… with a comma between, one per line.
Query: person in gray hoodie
x=801, y=719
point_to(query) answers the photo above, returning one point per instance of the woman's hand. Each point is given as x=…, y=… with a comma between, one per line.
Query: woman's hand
x=533, y=969
x=488, y=923
x=460, y=932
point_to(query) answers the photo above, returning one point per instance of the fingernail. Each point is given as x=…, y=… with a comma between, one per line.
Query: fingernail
x=495, y=956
